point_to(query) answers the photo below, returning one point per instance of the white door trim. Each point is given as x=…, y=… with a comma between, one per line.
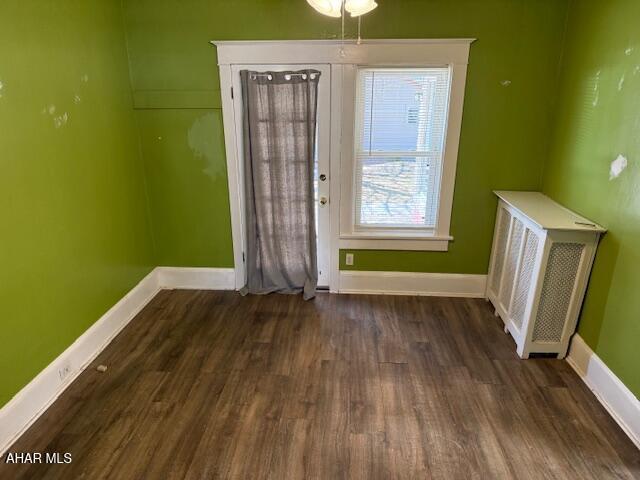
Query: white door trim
x=339, y=55
x=233, y=174
x=334, y=201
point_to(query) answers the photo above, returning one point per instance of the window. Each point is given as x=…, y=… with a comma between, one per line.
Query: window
x=400, y=127
x=404, y=153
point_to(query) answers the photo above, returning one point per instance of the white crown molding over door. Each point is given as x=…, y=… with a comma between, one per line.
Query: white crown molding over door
x=413, y=52
x=340, y=56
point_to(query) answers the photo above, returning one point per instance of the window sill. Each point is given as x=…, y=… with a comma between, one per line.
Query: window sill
x=378, y=241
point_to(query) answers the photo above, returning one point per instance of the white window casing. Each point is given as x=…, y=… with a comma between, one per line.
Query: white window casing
x=435, y=237
x=346, y=59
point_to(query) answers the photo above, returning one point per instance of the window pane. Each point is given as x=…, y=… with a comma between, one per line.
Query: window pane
x=396, y=191
x=401, y=124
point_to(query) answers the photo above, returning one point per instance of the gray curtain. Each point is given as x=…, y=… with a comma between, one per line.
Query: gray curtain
x=279, y=143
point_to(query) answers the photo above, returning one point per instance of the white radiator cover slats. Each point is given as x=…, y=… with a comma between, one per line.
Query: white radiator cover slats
x=503, y=227
x=521, y=296
x=511, y=262
x=538, y=275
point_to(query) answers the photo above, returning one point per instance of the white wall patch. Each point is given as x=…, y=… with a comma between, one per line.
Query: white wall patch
x=596, y=89
x=617, y=166
x=1, y=87
x=505, y=83
x=76, y=99
x=61, y=120
x=621, y=82
x=628, y=51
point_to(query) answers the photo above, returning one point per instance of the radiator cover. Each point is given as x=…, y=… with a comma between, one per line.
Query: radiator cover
x=540, y=263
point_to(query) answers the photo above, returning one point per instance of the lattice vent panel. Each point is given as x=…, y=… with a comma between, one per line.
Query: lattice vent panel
x=559, y=281
x=523, y=283
x=511, y=262
x=501, y=245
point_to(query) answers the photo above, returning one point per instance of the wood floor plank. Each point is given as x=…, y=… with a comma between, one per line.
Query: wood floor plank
x=212, y=385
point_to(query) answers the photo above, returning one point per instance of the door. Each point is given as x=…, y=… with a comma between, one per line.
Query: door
x=322, y=152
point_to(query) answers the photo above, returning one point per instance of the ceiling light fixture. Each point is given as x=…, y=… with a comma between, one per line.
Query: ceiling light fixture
x=331, y=8
x=334, y=8
x=359, y=7
x=338, y=9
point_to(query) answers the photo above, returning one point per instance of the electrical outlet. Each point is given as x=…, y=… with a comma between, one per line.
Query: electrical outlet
x=64, y=370
x=348, y=259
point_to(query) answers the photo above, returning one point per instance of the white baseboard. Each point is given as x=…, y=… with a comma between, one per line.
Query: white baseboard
x=30, y=402
x=33, y=400
x=409, y=283
x=616, y=398
x=196, y=278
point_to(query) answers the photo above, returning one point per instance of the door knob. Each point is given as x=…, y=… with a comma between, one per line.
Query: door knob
x=323, y=177
x=323, y=200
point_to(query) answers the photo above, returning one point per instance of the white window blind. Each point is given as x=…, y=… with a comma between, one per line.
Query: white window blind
x=401, y=116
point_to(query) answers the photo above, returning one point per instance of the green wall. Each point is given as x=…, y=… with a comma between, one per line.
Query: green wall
x=598, y=118
x=504, y=134
x=74, y=234
x=91, y=201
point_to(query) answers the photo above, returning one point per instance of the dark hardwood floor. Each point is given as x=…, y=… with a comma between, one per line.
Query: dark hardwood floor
x=213, y=385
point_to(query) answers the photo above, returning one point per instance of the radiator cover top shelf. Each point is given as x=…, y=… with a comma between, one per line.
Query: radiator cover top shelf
x=546, y=213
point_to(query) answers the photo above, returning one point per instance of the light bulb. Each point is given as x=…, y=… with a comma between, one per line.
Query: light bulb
x=359, y=7
x=331, y=8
